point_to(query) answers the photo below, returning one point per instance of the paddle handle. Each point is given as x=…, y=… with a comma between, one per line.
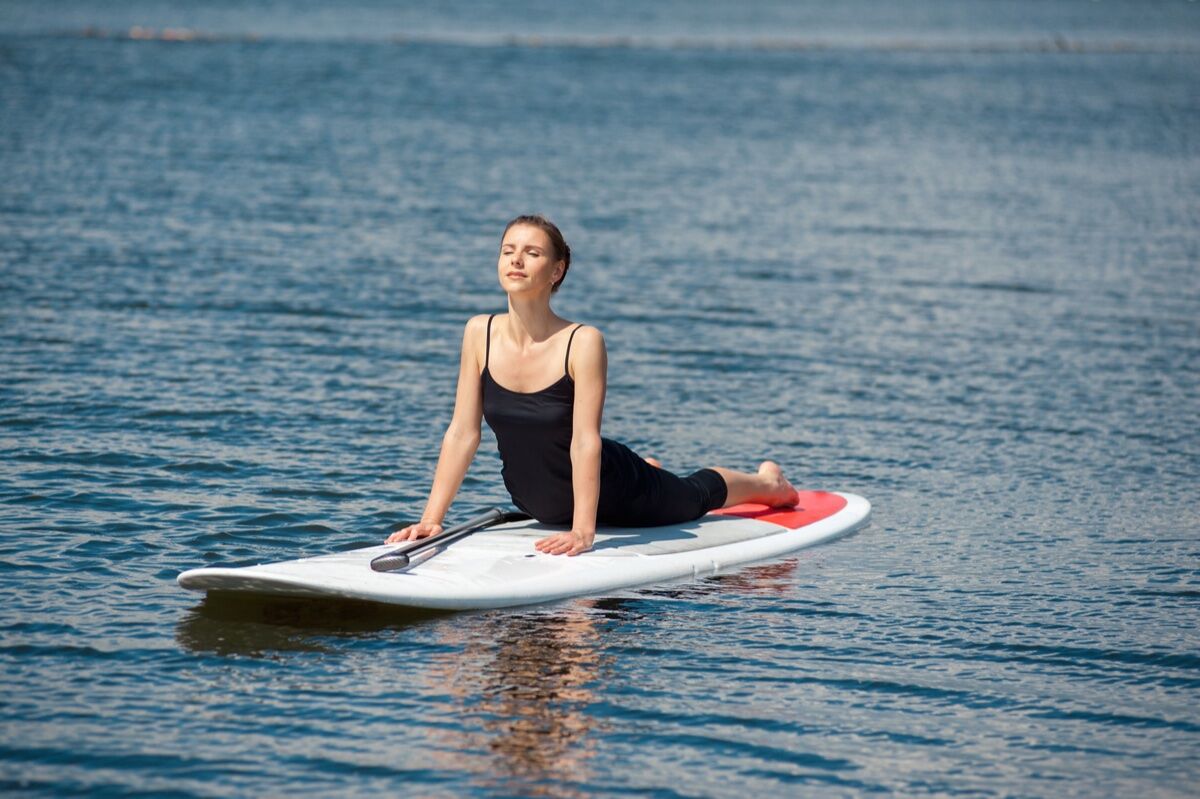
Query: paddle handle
x=400, y=558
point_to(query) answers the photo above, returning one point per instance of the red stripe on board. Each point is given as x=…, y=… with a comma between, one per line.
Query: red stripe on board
x=812, y=507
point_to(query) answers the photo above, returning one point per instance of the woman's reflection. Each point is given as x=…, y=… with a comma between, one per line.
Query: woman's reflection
x=531, y=697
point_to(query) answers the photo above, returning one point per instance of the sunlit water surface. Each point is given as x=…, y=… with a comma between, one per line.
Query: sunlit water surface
x=958, y=280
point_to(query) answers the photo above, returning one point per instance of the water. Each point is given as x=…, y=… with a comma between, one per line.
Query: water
x=942, y=255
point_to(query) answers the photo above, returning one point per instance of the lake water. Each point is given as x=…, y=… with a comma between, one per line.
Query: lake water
x=943, y=255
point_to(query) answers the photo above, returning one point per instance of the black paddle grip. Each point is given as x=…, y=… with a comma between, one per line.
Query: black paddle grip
x=401, y=558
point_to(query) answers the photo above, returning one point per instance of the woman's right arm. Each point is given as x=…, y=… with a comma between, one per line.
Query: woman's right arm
x=461, y=439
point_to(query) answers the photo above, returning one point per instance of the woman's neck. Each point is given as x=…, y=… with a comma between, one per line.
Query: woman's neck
x=531, y=320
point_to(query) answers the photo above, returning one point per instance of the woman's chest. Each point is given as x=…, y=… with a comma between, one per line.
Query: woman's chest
x=549, y=408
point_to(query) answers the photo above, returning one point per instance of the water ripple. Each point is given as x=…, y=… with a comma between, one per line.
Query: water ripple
x=234, y=280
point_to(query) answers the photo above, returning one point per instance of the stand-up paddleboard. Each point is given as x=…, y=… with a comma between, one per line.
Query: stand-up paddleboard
x=499, y=566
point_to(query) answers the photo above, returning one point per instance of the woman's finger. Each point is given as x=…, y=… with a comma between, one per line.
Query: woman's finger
x=401, y=535
x=550, y=544
x=561, y=544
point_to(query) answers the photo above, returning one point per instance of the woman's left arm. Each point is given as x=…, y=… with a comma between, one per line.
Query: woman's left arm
x=589, y=368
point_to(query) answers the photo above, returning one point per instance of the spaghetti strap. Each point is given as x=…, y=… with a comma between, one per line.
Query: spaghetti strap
x=567, y=359
x=487, y=353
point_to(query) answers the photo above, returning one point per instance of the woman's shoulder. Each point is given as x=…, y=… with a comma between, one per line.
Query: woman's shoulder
x=477, y=324
x=586, y=333
x=586, y=347
x=479, y=319
x=475, y=337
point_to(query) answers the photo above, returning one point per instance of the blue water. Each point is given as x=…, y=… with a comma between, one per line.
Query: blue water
x=943, y=255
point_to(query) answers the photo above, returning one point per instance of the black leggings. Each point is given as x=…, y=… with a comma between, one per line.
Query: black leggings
x=635, y=494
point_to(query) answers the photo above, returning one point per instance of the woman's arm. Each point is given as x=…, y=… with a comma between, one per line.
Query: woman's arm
x=460, y=441
x=589, y=369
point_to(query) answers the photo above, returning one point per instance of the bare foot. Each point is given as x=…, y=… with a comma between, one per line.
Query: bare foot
x=655, y=462
x=781, y=493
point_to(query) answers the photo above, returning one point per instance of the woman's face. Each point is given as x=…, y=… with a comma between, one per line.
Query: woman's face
x=527, y=261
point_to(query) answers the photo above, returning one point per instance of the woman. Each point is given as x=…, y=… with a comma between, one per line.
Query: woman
x=539, y=380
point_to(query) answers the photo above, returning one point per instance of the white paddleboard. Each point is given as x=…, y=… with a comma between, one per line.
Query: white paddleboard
x=499, y=567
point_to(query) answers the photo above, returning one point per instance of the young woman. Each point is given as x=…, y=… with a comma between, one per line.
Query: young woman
x=539, y=380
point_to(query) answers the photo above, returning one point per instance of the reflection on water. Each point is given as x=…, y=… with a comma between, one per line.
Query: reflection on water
x=770, y=578
x=528, y=680
x=240, y=624
x=546, y=668
x=525, y=679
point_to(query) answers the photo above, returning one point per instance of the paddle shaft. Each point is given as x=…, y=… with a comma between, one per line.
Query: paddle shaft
x=400, y=558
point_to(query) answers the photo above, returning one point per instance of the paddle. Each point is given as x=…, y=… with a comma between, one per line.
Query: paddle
x=399, y=558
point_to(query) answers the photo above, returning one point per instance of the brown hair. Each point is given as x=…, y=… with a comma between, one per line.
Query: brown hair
x=561, y=251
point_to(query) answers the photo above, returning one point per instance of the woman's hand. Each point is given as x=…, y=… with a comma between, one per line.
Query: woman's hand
x=568, y=543
x=413, y=532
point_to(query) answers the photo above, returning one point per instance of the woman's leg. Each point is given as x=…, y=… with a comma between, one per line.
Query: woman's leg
x=767, y=487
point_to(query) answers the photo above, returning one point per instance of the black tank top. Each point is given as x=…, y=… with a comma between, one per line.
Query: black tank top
x=533, y=433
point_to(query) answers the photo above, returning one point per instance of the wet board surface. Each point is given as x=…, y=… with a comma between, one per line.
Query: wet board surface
x=499, y=567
